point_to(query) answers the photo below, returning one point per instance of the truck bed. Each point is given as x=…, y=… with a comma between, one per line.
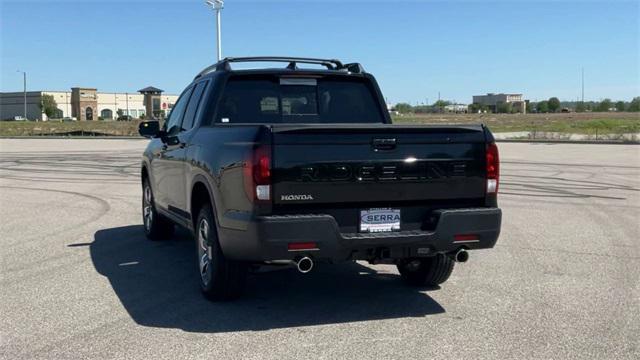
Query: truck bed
x=344, y=169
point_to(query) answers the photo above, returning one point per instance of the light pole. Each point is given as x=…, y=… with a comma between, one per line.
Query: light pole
x=24, y=84
x=217, y=6
x=582, y=86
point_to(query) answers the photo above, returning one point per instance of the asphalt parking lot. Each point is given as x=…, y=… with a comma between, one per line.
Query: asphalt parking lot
x=78, y=279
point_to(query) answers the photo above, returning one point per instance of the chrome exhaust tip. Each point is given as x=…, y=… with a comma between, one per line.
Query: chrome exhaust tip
x=461, y=256
x=304, y=264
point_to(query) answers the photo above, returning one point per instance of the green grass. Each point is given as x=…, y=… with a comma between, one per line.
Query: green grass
x=588, y=127
x=584, y=123
x=614, y=126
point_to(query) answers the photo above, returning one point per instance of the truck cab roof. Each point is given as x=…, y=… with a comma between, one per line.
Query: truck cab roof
x=331, y=67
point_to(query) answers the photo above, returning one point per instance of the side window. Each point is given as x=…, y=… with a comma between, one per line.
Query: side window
x=174, y=122
x=192, y=108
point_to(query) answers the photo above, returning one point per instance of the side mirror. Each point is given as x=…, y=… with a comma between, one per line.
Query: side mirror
x=149, y=129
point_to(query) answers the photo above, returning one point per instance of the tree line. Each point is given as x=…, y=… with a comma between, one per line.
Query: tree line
x=551, y=105
x=606, y=105
x=406, y=108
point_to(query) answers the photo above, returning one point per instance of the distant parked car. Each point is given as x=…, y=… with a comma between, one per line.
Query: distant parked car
x=67, y=118
x=19, y=118
x=125, y=118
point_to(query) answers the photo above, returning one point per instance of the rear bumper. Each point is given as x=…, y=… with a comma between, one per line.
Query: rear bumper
x=267, y=238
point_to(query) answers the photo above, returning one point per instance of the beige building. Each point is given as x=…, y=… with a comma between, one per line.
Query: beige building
x=88, y=104
x=493, y=100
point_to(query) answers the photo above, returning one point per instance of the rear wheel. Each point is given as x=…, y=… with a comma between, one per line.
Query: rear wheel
x=156, y=226
x=220, y=278
x=429, y=271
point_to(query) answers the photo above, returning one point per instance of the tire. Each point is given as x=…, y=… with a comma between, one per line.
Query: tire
x=220, y=278
x=156, y=226
x=431, y=271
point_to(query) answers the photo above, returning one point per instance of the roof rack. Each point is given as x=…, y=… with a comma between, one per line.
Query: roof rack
x=330, y=64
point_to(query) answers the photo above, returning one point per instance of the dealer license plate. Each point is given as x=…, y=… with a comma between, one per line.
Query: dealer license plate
x=379, y=220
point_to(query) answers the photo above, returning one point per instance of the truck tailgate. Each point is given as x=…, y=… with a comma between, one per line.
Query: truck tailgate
x=346, y=164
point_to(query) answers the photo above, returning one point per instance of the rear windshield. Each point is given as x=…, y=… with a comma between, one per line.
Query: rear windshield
x=297, y=100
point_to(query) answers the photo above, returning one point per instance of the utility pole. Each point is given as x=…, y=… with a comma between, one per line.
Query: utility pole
x=217, y=6
x=583, y=85
x=24, y=84
x=219, y=35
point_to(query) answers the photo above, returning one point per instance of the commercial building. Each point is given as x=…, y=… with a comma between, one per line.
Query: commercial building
x=88, y=104
x=492, y=101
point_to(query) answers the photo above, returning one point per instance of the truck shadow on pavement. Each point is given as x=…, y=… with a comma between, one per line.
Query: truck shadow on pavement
x=157, y=283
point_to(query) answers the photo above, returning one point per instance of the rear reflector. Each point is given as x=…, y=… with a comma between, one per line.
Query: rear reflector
x=466, y=238
x=302, y=246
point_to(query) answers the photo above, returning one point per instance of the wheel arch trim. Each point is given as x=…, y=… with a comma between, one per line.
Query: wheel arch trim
x=201, y=179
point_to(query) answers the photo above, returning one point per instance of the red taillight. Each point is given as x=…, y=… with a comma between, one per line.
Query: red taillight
x=257, y=174
x=493, y=168
x=262, y=170
x=302, y=246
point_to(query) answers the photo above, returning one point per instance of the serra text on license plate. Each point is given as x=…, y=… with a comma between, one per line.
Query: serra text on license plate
x=379, y=220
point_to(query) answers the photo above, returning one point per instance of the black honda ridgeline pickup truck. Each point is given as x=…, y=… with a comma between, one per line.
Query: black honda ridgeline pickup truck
x=297, y=166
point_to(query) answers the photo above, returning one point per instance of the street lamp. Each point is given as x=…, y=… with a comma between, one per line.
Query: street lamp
x=217, y=5
x=24, y=83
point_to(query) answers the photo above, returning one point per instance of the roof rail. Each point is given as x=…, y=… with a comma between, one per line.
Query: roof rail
x=330, y=64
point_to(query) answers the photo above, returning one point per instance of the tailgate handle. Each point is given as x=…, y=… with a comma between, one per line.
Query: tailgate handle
x=383, y=144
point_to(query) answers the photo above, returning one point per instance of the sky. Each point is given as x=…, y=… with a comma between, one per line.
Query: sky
x=415, y=49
